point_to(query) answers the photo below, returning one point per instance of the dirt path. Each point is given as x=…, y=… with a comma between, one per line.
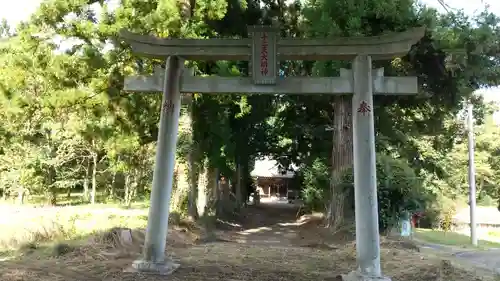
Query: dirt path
x=272, y=223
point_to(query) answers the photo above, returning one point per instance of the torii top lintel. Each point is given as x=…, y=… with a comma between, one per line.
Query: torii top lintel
x=381, y=47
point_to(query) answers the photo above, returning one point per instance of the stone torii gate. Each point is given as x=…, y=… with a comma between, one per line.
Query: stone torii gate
x=264, y=49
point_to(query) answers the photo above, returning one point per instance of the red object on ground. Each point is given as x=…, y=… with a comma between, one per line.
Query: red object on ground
x=415, y=218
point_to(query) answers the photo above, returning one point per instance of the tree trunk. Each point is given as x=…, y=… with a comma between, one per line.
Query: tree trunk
x=342, y=158
x=180, y=191
x=140, y=180
x=186, y=8
x=132, y=189
x=94, y=178
x=193, y=179
x=126, y=196
x=68, y=193
x=226, y=206
x=20, y=195
x=213, y=187
x=112, y=188
x=86, y=183
x=52, y=196
x=203, y=198
x=238, y=189
x=52, y=188
x=246, y=182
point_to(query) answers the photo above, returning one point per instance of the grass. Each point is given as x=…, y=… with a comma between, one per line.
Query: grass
x=76, y=199
x=451, y=239
x=29, y=227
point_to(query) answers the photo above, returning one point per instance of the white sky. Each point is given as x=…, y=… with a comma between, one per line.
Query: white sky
x=18, y=10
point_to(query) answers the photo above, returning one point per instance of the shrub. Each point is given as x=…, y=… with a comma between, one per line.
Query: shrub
x=316, y=183
x=439, y=214
x=398, y=190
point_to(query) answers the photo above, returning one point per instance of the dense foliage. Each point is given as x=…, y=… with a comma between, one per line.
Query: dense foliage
x=68, y=127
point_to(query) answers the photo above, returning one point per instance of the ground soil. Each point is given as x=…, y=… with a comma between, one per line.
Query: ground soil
x=269, y=243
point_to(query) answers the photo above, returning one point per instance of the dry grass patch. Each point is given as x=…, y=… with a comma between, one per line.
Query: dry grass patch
x=104, y=257
x=28, y=227
x=230, y=261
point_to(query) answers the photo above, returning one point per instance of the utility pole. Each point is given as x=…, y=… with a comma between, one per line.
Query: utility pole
x=472, y=176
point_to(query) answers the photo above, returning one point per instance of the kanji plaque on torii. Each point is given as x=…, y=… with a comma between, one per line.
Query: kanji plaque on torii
x=263, y=63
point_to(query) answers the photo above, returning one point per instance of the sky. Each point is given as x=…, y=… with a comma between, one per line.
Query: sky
x=18, y=10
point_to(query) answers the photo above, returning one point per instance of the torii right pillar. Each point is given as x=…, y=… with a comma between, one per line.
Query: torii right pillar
x=365, y=176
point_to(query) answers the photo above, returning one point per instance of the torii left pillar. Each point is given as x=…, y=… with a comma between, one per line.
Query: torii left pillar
x=154, y=259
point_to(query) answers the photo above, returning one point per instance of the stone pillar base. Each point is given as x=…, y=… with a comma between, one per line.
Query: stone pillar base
x=356, y=276
x=157, y=268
